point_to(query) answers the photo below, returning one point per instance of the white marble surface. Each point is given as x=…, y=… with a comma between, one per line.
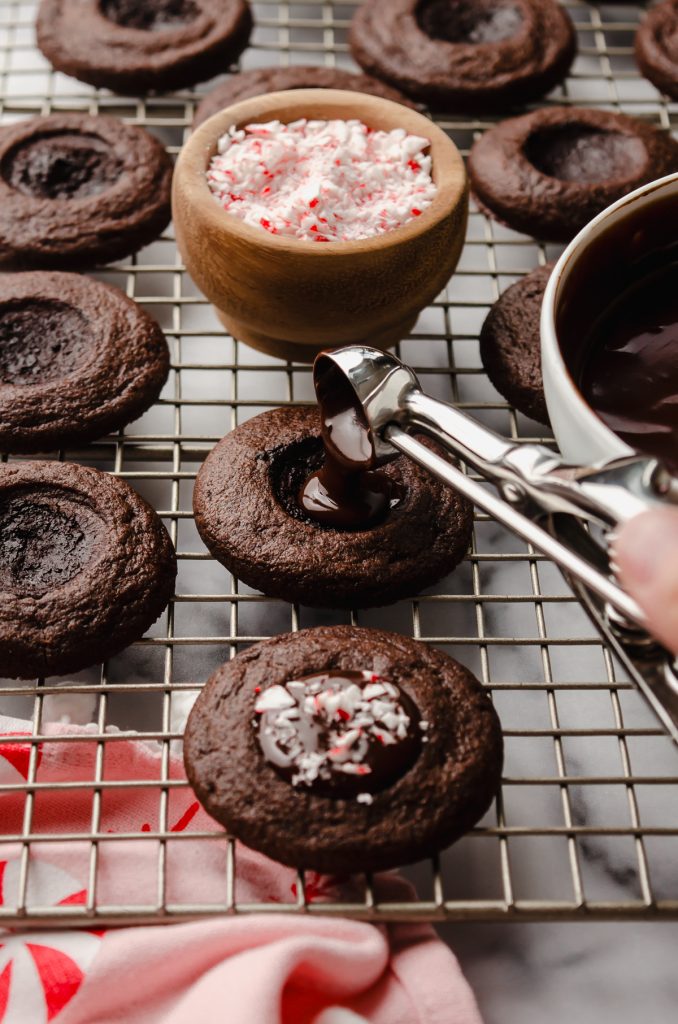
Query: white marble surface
x=589, y=973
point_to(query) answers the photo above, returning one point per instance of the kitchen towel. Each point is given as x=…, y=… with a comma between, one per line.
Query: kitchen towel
x=267, y=968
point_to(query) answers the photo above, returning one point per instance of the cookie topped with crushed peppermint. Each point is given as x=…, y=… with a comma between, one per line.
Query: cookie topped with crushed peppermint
x=347, y=733
x=341, y=749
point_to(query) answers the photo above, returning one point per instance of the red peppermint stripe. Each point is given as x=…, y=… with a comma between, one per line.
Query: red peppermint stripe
x=59, y=975
x=75, y=899
x=316, y=886
x=19, y=754
x=5, y=982
x=186, y=818
x=183, y=822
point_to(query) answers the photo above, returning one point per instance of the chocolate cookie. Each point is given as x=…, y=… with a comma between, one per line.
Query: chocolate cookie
x=343, y=750
x=549, y=172
x=133, y=46
x=510, y=344
x=78, y=359
x=76, y=190
x=86, y=566
x=248, y=514
x=465, y=54
x=657, y=47
x=262, y=80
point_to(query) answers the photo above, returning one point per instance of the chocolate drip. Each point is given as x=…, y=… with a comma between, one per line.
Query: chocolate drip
x=630, y=377
x=347, y=500
x=347, y=492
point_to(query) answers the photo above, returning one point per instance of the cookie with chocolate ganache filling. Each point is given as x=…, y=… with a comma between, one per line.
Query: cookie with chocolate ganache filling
x=657, y=47
x=263, y=80
x=341, y=749
x=134, y=46
x=78, y=359
x=86, y=566
x=510, y=344
x=549, y=172
x=249, y=514
x=465, y=54
x=77, y=190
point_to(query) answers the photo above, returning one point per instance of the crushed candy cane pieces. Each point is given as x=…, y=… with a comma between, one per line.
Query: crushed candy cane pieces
x=322, y=181
x=331, y=725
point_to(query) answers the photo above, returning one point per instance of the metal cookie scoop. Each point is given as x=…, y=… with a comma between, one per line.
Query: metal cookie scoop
x=544, y=500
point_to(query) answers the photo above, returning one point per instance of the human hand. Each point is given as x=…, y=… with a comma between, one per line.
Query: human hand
x=646, y=554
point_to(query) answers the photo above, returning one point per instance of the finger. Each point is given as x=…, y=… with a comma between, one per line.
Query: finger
x=646, y=554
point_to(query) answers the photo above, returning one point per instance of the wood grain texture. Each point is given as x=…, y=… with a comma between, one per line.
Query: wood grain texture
x=290, y=297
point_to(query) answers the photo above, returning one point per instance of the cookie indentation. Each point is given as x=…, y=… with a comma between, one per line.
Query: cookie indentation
x=61, y=166
x=46, y=539
x=290, y=466
x=577, y=152
x=293, y=464
x=41, y=341
x=469, y=21
x=150, y=15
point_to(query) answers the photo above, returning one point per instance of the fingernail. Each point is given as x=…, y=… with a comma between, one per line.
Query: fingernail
x=645, y=546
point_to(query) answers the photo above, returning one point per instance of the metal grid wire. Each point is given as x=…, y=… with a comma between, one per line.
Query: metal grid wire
x=586, y=824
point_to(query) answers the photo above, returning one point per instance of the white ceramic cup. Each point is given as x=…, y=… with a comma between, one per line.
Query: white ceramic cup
x=597, y=265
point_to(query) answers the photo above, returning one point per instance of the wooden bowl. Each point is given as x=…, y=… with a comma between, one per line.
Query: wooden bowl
x=292, y=298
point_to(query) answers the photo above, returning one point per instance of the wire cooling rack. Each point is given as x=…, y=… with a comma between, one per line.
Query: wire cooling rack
x=586, y=825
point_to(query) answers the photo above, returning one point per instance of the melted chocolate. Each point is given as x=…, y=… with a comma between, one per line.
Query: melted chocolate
x=343, y=734
x=347, y=492
x=628, y=272
x=347, y=500
x=630, y=376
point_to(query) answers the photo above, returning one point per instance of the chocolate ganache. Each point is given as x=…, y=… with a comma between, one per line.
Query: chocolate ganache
x=630, y=374
x=344, y=734
x=347, y=492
